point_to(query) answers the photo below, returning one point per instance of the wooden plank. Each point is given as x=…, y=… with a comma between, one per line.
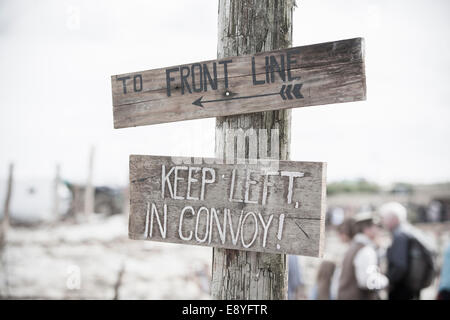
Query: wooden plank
x=226, y=205
x=325, y=73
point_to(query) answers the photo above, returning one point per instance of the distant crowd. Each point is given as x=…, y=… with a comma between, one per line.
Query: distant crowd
x=410, y=261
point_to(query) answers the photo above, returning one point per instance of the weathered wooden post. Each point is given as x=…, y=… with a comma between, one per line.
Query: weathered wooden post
x=248, y=27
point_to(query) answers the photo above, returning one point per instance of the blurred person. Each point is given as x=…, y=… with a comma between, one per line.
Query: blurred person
x=434, y=211
x=360, y=278
x=295, y=282
x=410, y=257
x=327, y=281
x=444, y=281
x=322, y=289
x=337, y=216
x=346, y=230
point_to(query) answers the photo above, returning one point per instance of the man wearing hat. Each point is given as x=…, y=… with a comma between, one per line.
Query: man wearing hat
x=360, y=277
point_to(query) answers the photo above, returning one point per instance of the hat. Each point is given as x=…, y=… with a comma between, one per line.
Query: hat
x=366, y=216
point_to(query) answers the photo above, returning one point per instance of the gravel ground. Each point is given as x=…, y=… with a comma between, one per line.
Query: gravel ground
x=96, y=260
x=85, y=261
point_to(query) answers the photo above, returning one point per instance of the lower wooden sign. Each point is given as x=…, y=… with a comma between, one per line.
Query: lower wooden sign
x=255, y=206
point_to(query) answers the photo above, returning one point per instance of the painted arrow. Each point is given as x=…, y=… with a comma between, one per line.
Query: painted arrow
x=287, y=90
x=285, y=93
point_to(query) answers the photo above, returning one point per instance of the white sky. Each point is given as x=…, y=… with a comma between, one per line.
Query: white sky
x=55, y=91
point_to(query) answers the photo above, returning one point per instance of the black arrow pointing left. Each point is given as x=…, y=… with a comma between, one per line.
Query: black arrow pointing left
x=285, y=93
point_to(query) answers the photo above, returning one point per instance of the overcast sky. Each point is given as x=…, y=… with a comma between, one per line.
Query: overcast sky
x=56, y=59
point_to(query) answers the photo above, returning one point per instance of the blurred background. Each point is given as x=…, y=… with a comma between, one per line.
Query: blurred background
x=64, y=169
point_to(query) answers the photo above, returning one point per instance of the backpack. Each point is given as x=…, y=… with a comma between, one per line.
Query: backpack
x=421, y=265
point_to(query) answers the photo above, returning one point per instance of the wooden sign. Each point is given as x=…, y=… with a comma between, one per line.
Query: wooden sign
x=331, y=72
x=236, y=206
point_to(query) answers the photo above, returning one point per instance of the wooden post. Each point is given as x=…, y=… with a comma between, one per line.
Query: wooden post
x=5, y=221
x=77, y=202
x=126, y=200
x=56, y=183
x=89, y=195
x=247, y=27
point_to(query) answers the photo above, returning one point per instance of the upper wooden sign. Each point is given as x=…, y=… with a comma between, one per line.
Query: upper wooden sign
x=256, y=207
x=331, y=72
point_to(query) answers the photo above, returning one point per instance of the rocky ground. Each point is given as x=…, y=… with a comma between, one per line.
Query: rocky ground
x=96, y=260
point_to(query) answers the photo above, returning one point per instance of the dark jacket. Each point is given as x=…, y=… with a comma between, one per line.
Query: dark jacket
x=397, y=256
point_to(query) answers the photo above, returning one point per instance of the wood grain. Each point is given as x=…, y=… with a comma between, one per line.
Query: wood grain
x=245, y=28
x=300, y=231
x=331, y=72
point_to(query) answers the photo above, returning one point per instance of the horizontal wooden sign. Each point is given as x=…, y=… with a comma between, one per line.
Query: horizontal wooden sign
x=331, y=72
x=237, y=206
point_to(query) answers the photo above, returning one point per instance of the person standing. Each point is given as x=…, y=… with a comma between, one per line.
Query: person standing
x=444, y=282
x=325, y=277
x=295, y=282
x=327, y=281
x=360, y=277
x=410, y=261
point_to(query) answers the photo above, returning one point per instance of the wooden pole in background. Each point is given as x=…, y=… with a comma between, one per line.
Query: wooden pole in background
x=5, y=220
x=247, y=27
x=56, y=183
x=89, y=195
